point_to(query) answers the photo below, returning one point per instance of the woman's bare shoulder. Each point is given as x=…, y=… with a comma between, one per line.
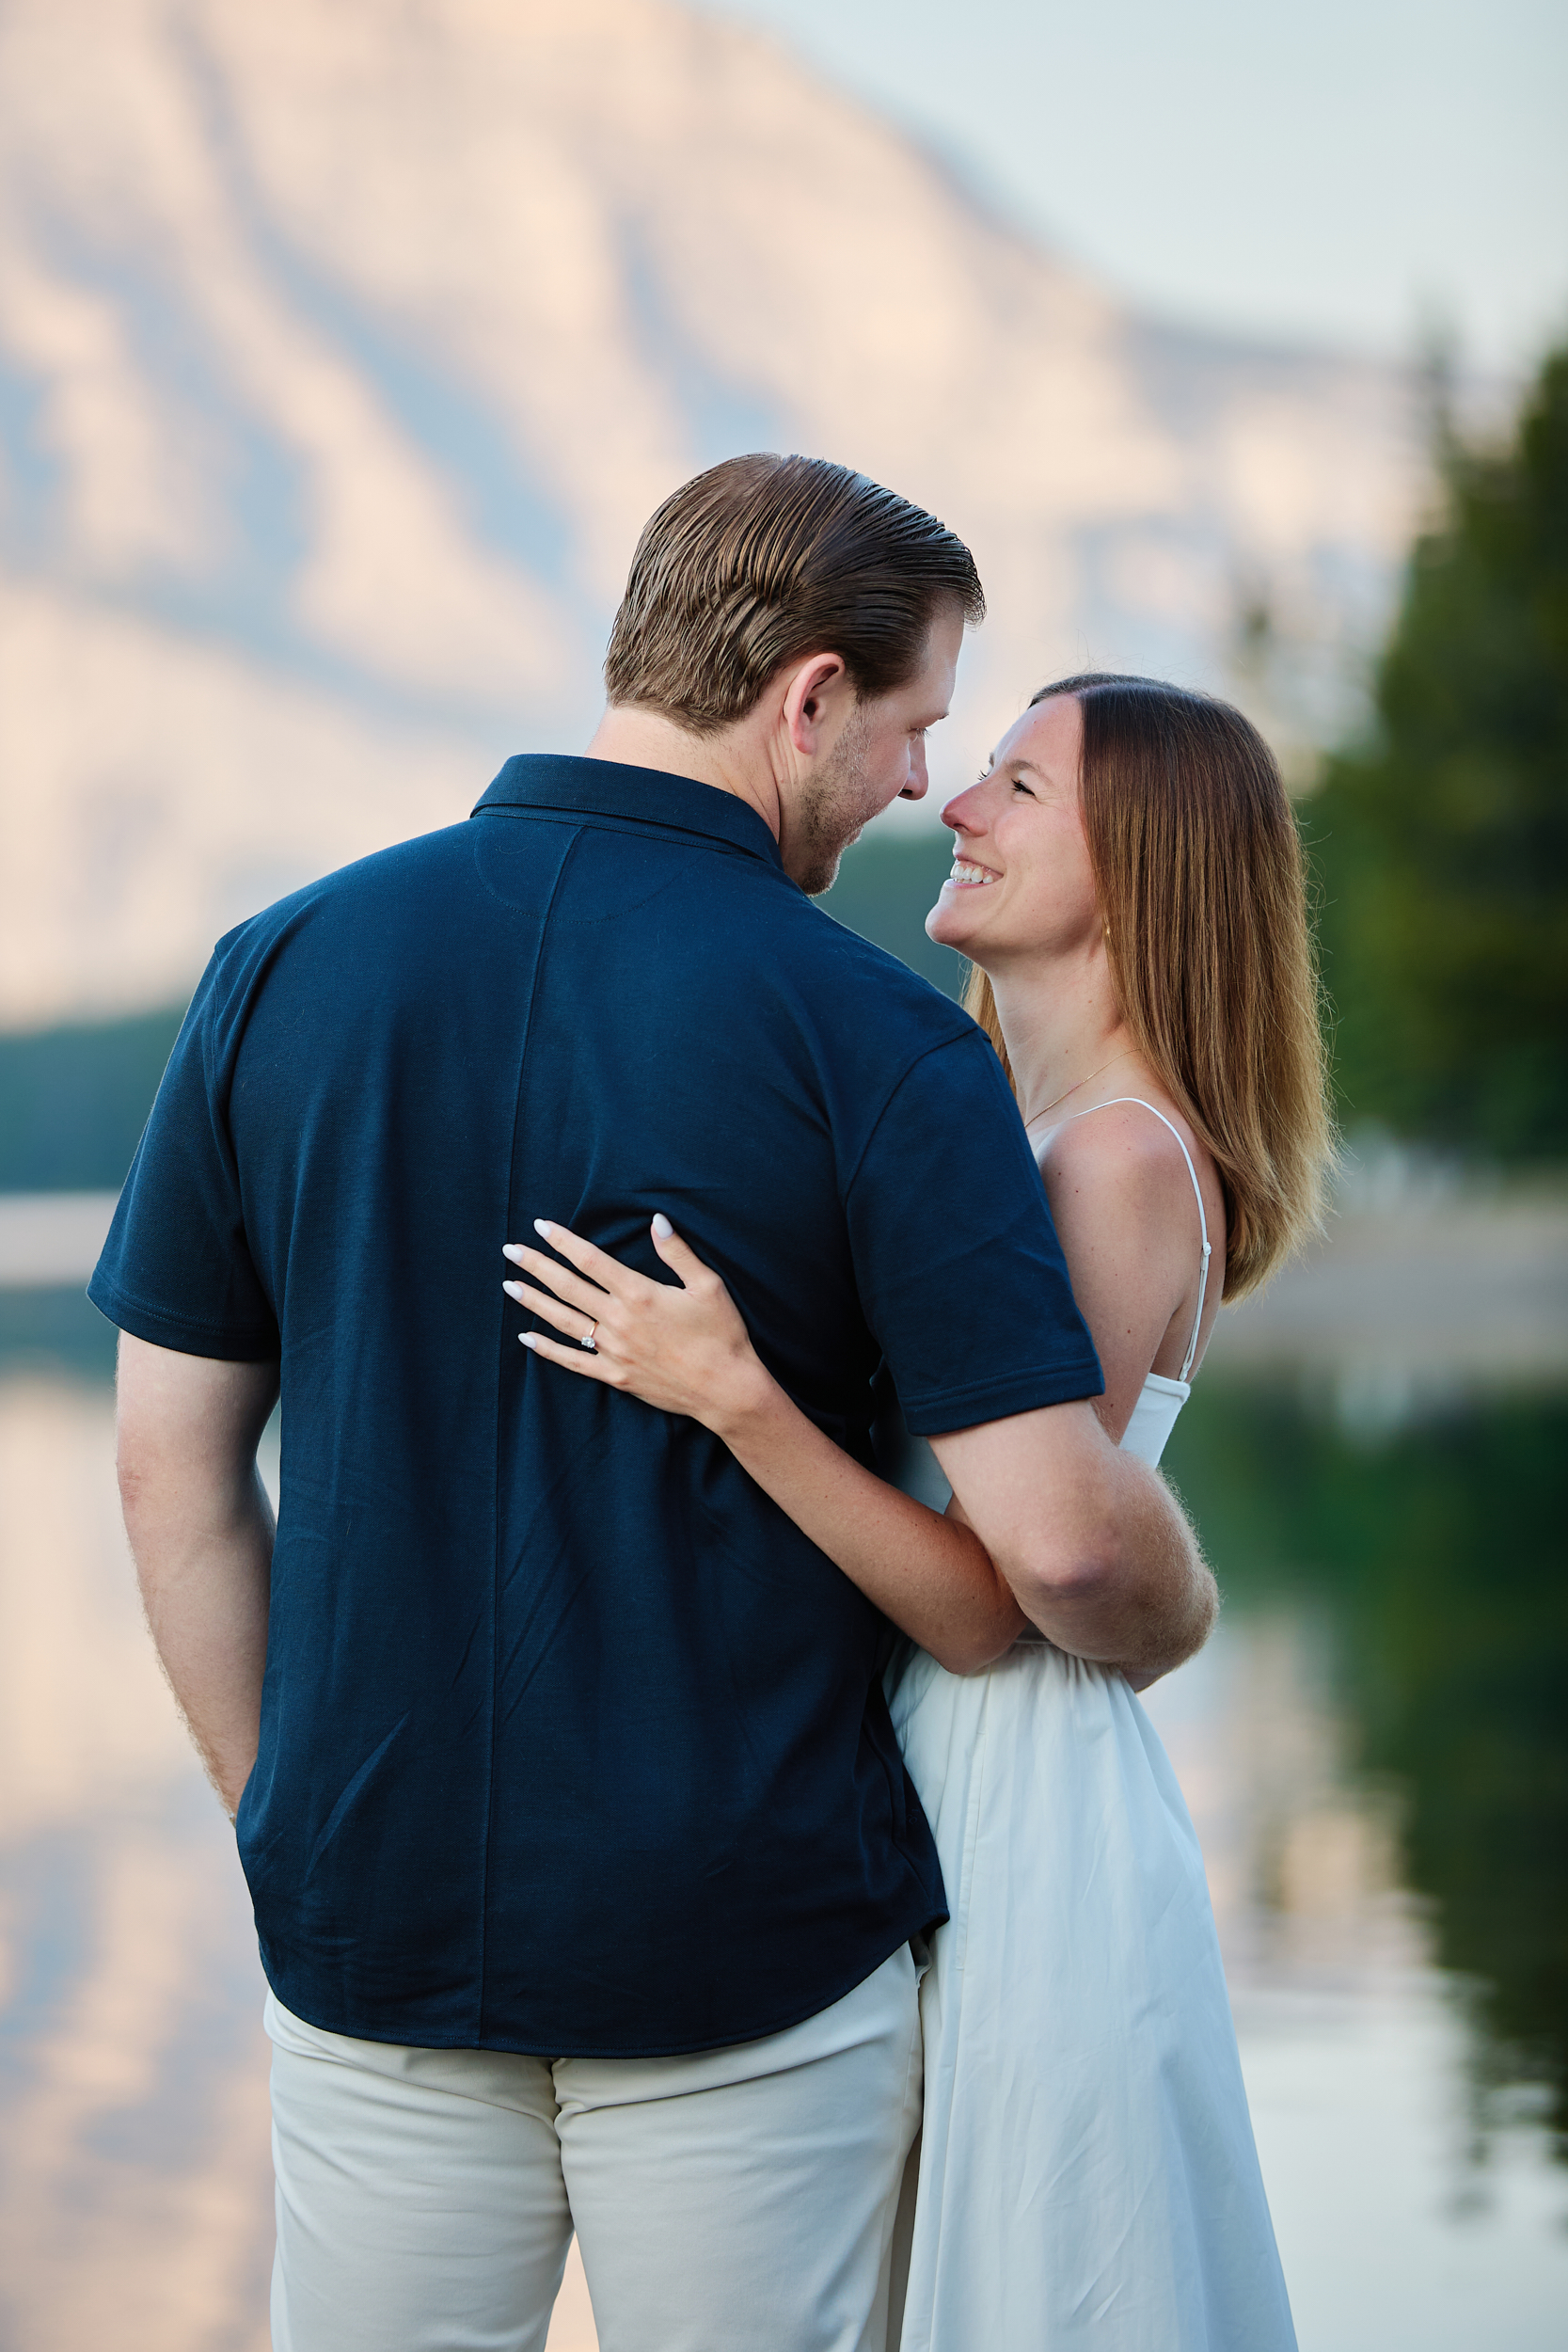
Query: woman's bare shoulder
x=1121, y=1195
x=1121, y=1152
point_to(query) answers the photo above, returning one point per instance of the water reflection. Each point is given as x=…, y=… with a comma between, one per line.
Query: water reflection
x=1377, y=1770
x=1371, y=1747
x=1428, y=1565
x=133, y=2165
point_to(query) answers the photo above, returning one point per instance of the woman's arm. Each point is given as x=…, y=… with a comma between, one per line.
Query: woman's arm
x=686, y=1350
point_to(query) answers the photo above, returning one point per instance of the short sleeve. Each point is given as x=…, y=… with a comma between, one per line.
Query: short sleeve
x=176, y=1268
x=959, y=1271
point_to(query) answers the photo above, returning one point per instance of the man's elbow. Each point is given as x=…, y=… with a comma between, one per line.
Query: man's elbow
x=1058, y=1570
x=159, y=1495
x=1163, y=1643
x=135, y=1469
x=1095, y=1594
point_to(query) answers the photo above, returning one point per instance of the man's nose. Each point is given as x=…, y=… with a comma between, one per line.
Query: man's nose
x=920, y=782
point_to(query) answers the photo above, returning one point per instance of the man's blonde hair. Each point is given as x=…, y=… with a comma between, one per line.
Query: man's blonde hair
x=763, y=560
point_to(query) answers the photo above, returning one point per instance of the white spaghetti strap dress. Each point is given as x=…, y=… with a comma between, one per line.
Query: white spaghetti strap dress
x=1086, y=2172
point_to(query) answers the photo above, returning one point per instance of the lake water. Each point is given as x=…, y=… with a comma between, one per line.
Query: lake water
x=1373, y=1747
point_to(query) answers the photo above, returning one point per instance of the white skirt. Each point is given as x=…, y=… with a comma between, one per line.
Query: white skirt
x=1088, y=2174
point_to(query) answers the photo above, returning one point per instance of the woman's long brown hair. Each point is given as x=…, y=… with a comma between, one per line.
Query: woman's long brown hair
x=1199, y=868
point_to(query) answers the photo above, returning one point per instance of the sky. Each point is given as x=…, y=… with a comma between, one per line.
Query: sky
x=1366, y=173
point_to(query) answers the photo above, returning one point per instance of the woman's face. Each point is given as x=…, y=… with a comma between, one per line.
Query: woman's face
x=1022, y=884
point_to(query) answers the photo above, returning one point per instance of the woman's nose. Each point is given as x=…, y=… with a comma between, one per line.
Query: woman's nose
x=961, y=814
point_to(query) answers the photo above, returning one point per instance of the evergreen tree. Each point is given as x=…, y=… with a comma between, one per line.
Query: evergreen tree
x=1442, y=845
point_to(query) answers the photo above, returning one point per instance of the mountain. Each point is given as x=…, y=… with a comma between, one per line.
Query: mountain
x=344, y=349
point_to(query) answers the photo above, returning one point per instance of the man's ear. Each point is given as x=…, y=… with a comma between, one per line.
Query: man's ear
x=813, y=700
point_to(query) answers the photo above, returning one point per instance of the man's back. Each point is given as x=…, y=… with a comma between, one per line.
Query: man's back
x=571, y=1742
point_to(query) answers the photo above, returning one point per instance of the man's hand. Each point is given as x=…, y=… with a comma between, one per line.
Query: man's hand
x=1094, y=1545
x=201, y=1533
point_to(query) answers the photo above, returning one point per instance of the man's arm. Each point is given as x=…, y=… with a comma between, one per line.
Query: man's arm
x=1092, y=1541
x=201, y=1533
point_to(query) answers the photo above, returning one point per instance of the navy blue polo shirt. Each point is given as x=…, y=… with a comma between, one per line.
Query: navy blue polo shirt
x=571, y=1742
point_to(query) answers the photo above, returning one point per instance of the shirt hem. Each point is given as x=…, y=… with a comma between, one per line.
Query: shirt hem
x=569, y=2049
x=967, y=1408
x=183, y=1334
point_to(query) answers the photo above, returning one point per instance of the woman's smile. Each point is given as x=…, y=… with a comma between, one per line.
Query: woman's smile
x=967, y=875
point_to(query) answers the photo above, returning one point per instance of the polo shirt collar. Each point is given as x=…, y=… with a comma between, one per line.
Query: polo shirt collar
x=647, y=797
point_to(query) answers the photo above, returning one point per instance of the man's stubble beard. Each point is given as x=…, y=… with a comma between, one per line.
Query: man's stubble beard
x=834, y=811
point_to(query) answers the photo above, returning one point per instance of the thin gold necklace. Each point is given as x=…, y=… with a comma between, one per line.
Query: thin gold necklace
x=1124, y=1055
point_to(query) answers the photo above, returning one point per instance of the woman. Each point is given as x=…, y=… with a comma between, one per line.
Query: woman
x=1127, y=884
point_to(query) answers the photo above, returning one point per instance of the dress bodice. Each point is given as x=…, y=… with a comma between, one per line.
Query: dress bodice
x=1147, y=1433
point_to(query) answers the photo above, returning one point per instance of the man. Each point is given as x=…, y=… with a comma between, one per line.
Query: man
x=584, y=1865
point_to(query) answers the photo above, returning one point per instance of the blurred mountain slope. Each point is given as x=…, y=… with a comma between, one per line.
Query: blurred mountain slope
x=343, y=351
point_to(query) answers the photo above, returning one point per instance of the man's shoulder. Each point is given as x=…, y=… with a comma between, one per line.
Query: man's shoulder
x=369, y=887
x=853, y=982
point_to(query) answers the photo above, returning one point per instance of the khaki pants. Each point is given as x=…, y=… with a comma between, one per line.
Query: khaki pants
x=738, y=2201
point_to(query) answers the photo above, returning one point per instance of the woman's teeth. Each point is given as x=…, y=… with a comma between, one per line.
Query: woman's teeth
x=971, y=876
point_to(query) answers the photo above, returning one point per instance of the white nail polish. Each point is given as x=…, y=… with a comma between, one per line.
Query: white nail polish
x=513, y=1250
x=542, y=1225
x=514, y=1290
x=662, y=1226
x=527, y=1338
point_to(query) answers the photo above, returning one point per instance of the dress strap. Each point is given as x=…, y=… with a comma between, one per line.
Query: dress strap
x=1197, y=1192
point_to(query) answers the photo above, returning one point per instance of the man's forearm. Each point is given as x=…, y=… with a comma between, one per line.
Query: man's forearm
x=201, y=1532
x=1142, y=1598
x=1091, y=1541
x=205, y=1574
